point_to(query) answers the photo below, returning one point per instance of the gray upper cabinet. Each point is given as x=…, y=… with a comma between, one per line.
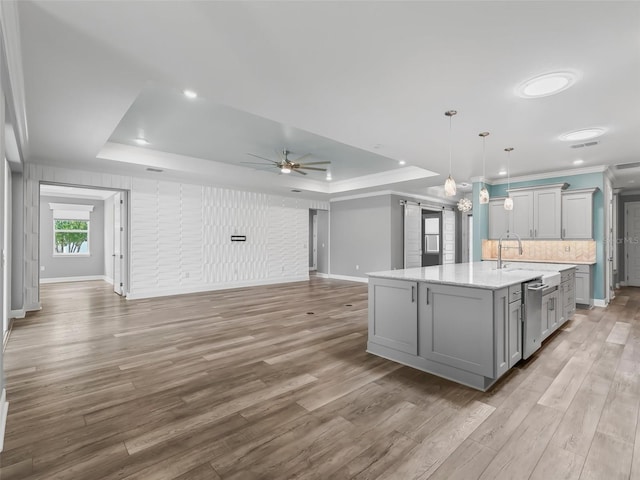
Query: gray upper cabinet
x=577, y=214
x=536, y=211
x=498, y=218
x=546, y=213
x=522, y=214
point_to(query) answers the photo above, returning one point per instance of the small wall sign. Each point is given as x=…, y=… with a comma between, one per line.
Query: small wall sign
x=238, y=238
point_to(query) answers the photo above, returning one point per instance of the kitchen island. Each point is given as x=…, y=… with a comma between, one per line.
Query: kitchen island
x=465, y=322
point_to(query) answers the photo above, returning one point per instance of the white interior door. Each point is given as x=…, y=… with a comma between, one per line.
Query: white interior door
x=632, y=243
x=118, y=232
x=412, y=236
x=315, y=242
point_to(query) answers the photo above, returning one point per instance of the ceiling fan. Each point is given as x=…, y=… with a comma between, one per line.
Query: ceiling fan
x=287, y=166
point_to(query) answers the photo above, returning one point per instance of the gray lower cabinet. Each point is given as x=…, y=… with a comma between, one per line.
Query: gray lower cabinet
x=583, y=284
x=393, y=314
x=549, y=313
x=457, y=328
x=515, y=333
x=469, y=335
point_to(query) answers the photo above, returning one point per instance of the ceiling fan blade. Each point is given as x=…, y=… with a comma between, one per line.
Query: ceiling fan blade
x=297, y=160
x=312, y=168
x=256, y=163
x=314, y=163
x=298, y=171
x=263, y=158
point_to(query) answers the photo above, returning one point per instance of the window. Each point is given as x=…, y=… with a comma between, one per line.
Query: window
x=71, y=228
x=70, y=237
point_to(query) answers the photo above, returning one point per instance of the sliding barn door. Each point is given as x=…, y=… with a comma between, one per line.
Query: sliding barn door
x=412, y=236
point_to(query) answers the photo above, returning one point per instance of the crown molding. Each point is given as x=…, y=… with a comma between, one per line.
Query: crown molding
x=554, y=174
x=379, y=179
x=379, y=193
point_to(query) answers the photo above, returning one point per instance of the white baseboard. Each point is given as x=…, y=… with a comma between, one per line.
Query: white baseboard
x=87, y=278
x=350, y=279
x=622, y=284
x=209, y=287
x=599, y=303
x=322, y=275
x=4, y=408
x=17, y=313
x=109, y=280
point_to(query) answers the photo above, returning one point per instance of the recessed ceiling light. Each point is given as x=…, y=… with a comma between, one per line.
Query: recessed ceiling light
x=141, y=141
x=584, y=134
x=402, y=162
x=547, y=84
x=502, y=172
x=328, y=177
x=579, y=161
x=189, y=93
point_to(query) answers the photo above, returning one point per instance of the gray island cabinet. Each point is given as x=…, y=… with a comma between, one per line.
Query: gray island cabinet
x=462, y=321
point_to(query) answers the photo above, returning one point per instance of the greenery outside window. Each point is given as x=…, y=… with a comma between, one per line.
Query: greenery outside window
x=70, y=237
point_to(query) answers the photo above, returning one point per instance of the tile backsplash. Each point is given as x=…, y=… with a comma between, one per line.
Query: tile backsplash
x=567, y=251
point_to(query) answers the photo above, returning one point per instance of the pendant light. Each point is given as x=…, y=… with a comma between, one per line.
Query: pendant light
x=484, y=193
x=508, y=202
x=450, y=184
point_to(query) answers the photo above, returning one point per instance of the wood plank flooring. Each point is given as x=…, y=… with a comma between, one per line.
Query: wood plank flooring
x=274, y=382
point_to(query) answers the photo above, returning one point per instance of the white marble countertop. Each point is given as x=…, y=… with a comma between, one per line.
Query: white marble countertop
x=535, y=262
x=477, y=274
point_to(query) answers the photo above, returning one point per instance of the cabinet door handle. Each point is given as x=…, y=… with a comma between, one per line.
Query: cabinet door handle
x=427, y=296
x=535, y=232
x=531, y=233
x=413, y=294
x=564, y=233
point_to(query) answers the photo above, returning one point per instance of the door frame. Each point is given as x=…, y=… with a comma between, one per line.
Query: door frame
x=125, y=221
x=626, y=239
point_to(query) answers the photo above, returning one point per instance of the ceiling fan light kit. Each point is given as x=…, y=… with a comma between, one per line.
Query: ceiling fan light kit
x=287, y=166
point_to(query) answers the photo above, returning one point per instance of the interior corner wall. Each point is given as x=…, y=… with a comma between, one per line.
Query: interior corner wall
x=360, y=236
x=56, y=266
x=180, y=234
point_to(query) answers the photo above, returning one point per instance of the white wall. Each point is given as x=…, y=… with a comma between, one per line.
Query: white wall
x=180, y=234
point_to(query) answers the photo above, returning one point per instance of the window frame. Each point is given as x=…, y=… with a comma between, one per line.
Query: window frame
x=72, y=254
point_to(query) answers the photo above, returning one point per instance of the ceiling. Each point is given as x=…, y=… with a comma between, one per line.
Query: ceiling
x=361, y=84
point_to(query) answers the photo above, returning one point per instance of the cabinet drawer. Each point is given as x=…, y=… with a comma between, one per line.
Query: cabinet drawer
x=583, y=268
x=515, y=293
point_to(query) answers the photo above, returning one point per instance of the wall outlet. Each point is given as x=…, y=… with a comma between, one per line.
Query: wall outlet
x=567, y=248
x=357, y=267
x=42, y=268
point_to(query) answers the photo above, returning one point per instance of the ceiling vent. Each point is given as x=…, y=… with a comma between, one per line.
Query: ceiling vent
x=587, y=144
x=624, y=166
x=156, y=170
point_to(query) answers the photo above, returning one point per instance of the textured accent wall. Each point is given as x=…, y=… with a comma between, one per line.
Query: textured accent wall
x=579, y=251
x=181, y=234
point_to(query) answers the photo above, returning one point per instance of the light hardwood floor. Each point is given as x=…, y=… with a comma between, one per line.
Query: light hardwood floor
x=274, y=383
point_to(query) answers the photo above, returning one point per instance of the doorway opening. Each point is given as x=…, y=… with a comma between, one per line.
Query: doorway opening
x=319, y=242
x=83, y=235
x=431, y=238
